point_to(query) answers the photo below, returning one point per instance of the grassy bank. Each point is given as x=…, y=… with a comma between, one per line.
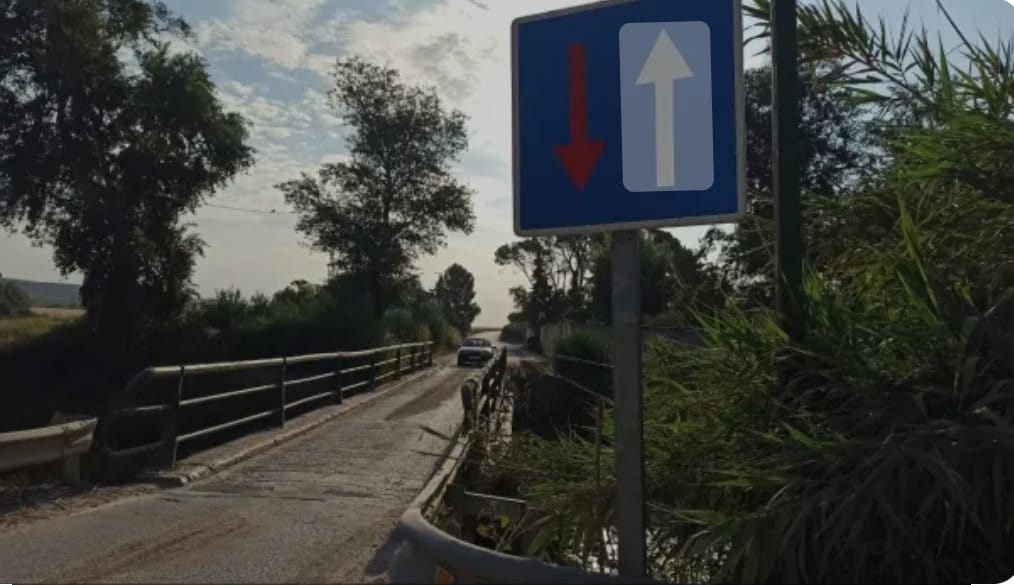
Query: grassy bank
x=42, y=321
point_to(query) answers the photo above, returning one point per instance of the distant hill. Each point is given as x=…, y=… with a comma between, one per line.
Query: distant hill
x=49, y=294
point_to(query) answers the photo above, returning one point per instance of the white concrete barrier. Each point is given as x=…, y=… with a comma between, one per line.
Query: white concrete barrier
x=65, y=441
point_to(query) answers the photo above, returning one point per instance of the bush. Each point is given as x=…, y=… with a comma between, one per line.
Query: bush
x=401, y=327
x=429, y=315
x=13, y=301
x=669, y=319
x=453, y=339
x=62, y=367
x=54, y=370
x=226, y=312
x=513, y=333
x=592, y=371
x=873, y=451
x=877, y=460
x=584, y=346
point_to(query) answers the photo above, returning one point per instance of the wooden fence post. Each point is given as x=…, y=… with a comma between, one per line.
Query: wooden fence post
x=373, y=370
x=397, y=363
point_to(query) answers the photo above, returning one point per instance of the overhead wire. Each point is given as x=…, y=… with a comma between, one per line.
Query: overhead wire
x=233, y=207
x=249, y=210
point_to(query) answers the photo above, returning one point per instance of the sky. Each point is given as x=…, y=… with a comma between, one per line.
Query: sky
x=271, y=61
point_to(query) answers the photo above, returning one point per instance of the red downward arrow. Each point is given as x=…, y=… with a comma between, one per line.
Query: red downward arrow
x=581, y=155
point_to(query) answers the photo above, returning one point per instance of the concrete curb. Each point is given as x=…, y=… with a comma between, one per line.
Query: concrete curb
x=181, y=478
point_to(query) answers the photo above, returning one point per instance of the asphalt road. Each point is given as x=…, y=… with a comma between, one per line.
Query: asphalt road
x=318, y=509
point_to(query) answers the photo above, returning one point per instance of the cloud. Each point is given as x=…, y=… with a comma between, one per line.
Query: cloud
x=463, y=48
x=274, y=30
x=459, y=46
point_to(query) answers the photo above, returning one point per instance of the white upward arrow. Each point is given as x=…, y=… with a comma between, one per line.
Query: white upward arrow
x=664, y=66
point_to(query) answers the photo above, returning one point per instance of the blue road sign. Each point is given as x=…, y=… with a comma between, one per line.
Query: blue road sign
x=628, y=114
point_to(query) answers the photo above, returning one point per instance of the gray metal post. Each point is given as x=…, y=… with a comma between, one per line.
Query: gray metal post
x=373, y=370
x=173, y=424
x=340, y=391
x=397, y=363
x=626, y=267
x=785, y=154
x=281, y=395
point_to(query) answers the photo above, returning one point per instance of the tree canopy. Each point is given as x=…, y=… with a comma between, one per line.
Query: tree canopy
x=396, y=197
x=14, y=301
x=570, y=278
x=673, y=280
x=455, y=291
x=101, y=158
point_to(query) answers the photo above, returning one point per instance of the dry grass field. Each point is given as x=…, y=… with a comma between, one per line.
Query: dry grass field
x=40, y=322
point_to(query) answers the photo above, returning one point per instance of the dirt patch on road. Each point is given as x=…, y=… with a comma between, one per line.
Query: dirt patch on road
x=22, y=504
x=424, y=402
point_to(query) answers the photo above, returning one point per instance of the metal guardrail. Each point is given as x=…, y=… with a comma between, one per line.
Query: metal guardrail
x=430, y=555
x=343, y=374
x=64, y=441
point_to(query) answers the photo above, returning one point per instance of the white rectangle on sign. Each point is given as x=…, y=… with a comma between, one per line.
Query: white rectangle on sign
x=665, y=91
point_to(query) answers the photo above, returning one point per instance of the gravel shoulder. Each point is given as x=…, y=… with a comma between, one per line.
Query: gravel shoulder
x=22, y=503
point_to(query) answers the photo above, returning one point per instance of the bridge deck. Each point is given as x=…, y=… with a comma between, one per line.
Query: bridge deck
x=318, y=509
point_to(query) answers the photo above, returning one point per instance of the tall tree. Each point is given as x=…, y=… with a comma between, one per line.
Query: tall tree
x=568, y=262
x=525, y=254
x=396, y=197
x=455, y=291
x=101, y=161
x=542, y=303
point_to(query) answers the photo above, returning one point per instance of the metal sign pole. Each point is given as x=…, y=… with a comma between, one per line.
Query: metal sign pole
x=788, y=206
x=626, y=267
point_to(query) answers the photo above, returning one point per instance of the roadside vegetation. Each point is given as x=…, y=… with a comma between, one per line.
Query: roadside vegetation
x=13, y=301
x=878, y=448
x=111, y=140
x=37, y=323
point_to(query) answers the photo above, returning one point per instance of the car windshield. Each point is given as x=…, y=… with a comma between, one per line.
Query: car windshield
x=475, y=343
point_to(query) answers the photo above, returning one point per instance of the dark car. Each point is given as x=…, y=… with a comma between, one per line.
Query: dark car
x=475, y=351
